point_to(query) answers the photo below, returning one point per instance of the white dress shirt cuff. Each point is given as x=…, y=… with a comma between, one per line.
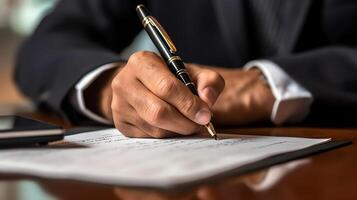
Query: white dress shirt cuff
x=292, y=101
x=83, y=84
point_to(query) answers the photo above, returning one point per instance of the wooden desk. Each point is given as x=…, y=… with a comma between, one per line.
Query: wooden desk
x=329, y=175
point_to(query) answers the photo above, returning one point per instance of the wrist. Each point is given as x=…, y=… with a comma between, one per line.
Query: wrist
x=98, y=95
x=266, y=98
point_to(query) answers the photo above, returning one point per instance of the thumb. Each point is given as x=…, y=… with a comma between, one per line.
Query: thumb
x=209, y=84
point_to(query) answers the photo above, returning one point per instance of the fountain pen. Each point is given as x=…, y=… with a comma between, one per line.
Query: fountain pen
x=168, y=51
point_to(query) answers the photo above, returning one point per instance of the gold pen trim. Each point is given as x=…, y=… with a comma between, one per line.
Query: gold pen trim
x=181, y=71
x=153, y=22
x=173, y=58
x=190, y=83
x=211, y=130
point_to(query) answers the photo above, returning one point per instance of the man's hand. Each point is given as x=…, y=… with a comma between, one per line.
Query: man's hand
x=144, y=99
x=147, y=100
x=245, y=99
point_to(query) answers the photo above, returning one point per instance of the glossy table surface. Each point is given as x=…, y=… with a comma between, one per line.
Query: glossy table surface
x=327, y=175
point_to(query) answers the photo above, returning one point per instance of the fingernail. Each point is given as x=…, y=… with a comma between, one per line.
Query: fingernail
x=211, y=95
x=203, y=116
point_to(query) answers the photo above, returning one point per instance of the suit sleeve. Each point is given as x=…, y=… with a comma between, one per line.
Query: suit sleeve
x=330, y=74
x=329, y=71
x=72, y=40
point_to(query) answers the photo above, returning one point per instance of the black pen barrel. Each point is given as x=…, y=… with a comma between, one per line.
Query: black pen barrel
x=142, y=12
x=157, y=39
x=173, y=61
x=178, y=68
x=168, y=51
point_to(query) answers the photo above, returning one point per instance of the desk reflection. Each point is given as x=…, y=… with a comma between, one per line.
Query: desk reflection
x=232, y=188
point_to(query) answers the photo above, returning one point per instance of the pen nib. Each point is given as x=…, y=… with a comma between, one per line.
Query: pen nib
x=211, y=130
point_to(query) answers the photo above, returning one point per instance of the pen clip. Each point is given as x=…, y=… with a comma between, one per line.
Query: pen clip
x=153, y=22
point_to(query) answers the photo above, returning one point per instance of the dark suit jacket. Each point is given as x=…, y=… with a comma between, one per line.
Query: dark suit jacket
x=312, y=40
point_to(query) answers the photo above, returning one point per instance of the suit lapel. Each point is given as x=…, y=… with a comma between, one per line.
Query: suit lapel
x=289, y=17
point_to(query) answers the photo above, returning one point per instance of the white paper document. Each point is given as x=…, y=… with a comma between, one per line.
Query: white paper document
x=108, y=157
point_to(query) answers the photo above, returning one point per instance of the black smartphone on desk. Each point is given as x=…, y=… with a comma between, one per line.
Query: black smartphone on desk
x=20, y=131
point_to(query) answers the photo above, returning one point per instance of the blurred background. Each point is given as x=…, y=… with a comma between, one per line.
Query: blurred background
x=18, y=18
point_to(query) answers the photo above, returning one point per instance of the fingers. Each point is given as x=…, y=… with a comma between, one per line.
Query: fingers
x=148, y=111
x=159, y=113
x=149, y=101
x=132, y=120
x=157, y=78
x=209, y=83
x=130, y=130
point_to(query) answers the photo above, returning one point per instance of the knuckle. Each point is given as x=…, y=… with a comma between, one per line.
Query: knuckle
x=116, y=83
x=167, y=86
x=145, y=60
x=215, y=76
x=140, y=55
x=216, y=79
x=120, y=83
x=114, y=105
x=189, y=105
x=220, y=79
x=157, y=113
